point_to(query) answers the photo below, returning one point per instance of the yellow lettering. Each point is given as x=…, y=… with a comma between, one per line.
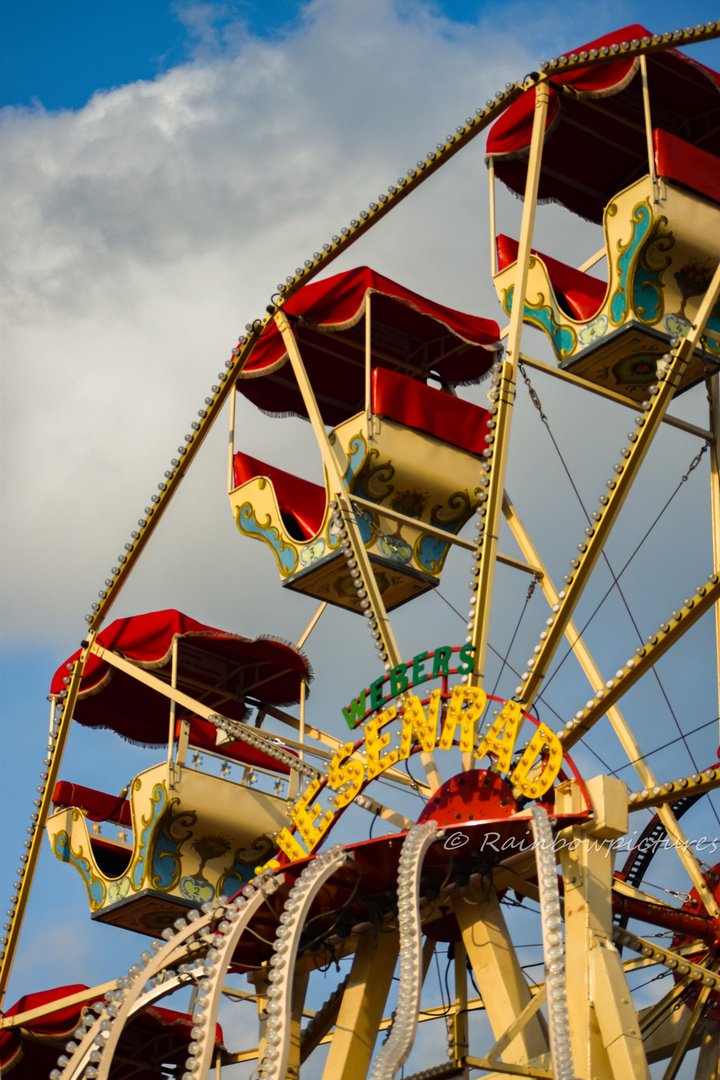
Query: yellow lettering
x=500, y=739
x=305, y=817
x=542, y=781
x=289, y=846
x=375, y=743
x=347, y=774
x=465, y=709
x=417, y=727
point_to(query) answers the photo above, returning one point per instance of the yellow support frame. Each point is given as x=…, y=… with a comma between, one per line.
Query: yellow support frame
x=615, y=498
x=479, y=633
x=23, y=895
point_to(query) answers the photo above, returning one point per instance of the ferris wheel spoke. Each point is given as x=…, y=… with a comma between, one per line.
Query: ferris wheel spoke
x=573, y=733
x=604, y=519
x=323, y=1021
x=670, y=632
x=594, y=711
x=676, y=962
x=686, y=1038
x=503, y=393
x=360, y=1011
x=713, y=386
x=500, y=980
x=654, y=1016
x=59, y=731
x=708, y=1064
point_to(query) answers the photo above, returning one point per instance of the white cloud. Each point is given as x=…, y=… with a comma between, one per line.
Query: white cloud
x=143, y=231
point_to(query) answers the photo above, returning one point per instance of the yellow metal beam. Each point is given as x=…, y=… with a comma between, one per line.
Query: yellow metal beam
x=56, y=747
x=497, y=452
x=441, y=534
x=337, y=486
x=611, y=503
x=690, y=1032
x=311, y=625
x=80, y=998
x=361, y=1010
x=714, y=395
x=672, y=790
x=498, y=973
x=607, y=694
x=501, y=1072
x=609, y=395
x=668, y=958
x=346, y=516
x=708, y=1063
x=616, y=718
x=300, y=985
x=605, y=1033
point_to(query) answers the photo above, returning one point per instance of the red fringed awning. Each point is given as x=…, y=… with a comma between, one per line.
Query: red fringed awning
x=410, y=334
x=213, y=666
x=156, y=1036
x=595, y=142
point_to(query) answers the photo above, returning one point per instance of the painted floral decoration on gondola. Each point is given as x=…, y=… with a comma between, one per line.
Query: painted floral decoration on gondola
x=410, y=502
x=692, y=279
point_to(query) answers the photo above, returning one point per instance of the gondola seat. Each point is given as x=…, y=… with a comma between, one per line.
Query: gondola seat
x=417, y=454
x=301, y=503
x=203, y=736
x=424, y=409
x=98, y=805
x=579, y=294
x=193, y=836
x=682, y=163
x=662, y=241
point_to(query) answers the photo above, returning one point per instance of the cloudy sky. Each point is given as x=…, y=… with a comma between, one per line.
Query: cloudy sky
x=164, y=166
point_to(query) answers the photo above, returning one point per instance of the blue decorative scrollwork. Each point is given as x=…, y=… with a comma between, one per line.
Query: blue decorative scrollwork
x=641, y=220
x=95, y=887
x=542, y=315
x=247, y=523
x=430, y=552
x=158, y=802
x=357, y=452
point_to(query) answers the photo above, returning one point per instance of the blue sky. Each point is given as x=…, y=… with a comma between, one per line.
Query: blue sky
x=59, y=52
x=164, y=166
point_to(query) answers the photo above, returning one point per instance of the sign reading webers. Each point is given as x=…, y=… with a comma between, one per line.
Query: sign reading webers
x=447, y=719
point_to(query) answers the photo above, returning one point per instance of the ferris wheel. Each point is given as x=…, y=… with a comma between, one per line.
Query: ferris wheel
x=475, y=867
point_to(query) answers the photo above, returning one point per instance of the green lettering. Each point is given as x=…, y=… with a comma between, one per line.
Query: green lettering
x=398, y=680
x=467, y=654
x=354, y=713
x=441, y=661
x=376, y=694
x=419, y=674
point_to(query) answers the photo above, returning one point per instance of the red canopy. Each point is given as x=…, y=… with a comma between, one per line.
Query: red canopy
x=155, y=1036
x=595, y=142
x=409, y=334
x=214, y=667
